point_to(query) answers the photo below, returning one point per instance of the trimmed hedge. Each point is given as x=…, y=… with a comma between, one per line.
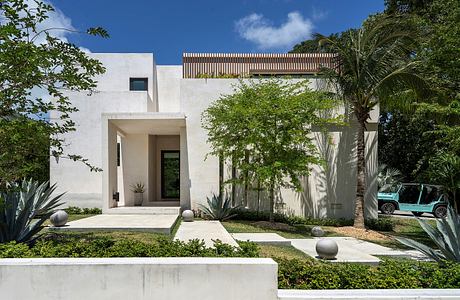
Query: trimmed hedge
x=74, y=246
x=390, y=274
x=74, y=210
x=380, y=224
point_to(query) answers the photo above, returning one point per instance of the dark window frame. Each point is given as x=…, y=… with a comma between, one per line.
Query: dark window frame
x=133, y=79
x=163, y=196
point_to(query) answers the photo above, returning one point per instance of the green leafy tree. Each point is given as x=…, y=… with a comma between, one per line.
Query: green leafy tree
x=374, y=66
x=403, y=143
x=313, y=46
x=438, y=52
x=25, y=147
x=265, y=128
x=26, y=65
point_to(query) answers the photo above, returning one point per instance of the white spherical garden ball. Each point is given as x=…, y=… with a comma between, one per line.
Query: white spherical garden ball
x=187, y=215
x=59, y=218
x=317, y=231
x=327, y=248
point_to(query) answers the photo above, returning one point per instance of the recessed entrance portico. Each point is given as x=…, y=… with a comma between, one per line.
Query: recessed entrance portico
x=145, y=148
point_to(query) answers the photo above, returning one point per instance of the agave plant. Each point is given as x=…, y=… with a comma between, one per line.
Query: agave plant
x=388, y=178
x=219, y=208
x=24, y=208
x=446, y=236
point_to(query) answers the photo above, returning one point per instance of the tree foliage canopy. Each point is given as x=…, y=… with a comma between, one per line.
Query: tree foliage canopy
x=29, y=68
x=265, y=128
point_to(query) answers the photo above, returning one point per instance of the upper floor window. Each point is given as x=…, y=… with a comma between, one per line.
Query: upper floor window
x=138, y=84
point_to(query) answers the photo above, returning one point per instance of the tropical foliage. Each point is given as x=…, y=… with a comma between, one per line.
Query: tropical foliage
x=24, y=208
x=36, y=72
x=264, y=128
x=373, y=67
x=446, y=236
x=219, y=208
x=388, y=178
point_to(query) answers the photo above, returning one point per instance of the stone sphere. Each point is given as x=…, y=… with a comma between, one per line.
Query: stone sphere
x=327, y=248
x=59, y=218
x=317, y=231
x=187, y=215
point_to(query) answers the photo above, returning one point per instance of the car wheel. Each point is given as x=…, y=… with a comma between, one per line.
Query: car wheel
x=417, y=213
x=440, y=211
x=388, y=208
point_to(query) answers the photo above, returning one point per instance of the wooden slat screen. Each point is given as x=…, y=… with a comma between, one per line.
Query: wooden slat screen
x=245, y=64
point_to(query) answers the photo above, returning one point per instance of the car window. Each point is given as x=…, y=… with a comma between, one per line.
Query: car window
x=389, y=189
x=409, y=194
x=430, y=194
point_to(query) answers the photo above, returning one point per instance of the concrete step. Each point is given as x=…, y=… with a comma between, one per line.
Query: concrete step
x=144, y=210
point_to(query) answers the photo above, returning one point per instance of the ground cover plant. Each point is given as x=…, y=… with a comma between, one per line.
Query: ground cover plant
x=390, y=274
x=296, y=269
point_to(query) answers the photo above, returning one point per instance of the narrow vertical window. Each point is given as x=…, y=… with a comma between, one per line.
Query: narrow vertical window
x=118, y=154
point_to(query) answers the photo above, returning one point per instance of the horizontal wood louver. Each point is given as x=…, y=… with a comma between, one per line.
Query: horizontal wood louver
x=196, y=65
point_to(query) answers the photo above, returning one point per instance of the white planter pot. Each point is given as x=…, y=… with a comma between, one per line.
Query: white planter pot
x=138, y=199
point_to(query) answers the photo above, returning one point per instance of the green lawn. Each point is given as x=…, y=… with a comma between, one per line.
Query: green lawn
x=291, y=232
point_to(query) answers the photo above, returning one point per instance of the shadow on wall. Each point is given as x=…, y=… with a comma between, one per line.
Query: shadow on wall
x=329, y=191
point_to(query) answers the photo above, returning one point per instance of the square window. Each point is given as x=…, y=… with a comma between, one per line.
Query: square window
x=138, y=84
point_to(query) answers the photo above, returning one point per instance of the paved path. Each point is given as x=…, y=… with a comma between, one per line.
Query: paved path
x=150, y=223
x=209, y=231
x=350, y=249
x=262, y=238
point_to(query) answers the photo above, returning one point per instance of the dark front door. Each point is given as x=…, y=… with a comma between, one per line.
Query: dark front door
x=170, y=174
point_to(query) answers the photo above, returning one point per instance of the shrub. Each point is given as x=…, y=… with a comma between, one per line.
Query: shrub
x=390, y=274
x=24, y=208
x=13, y=249
x=91, y=246
x=74, y=210
x=380, y=224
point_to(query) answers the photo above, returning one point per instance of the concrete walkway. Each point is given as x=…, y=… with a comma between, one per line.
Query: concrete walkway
x=149, y=223
x=351, y=250
x=209, y=231
x=263, y=238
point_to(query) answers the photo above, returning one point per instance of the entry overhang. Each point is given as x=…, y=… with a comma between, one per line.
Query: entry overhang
x=147, y=122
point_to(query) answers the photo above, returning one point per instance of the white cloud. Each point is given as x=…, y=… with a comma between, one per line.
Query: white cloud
x=260, y=31
x=56, y=19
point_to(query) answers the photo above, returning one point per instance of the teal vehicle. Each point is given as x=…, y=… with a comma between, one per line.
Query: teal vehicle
x=414, y=197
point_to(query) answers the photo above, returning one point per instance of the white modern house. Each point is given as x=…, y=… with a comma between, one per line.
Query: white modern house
x=143, y=125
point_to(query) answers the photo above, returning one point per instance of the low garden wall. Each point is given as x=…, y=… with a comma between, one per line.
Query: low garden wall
x=138, y=278
x=389, y=294
x=191, y=278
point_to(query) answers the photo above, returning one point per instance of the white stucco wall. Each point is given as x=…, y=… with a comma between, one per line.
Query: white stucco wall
x=84, y=188
x=168, y=79
x=327, y=192
x=139, y=278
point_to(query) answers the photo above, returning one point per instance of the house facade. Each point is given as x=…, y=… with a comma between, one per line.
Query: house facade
x=143, y=125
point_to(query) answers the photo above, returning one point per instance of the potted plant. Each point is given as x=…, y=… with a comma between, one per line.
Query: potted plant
x=138, y=190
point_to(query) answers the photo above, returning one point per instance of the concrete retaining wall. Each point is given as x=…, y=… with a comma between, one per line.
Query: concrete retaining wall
x=138, y=278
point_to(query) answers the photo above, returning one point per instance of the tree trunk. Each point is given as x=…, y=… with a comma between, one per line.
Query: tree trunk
x=361, y=176
x=272, y=202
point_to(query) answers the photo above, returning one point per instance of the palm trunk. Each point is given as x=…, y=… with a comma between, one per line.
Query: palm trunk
x=361, y=176
x=272, y=202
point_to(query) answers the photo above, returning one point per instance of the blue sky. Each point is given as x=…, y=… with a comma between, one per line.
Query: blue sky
x=168, y=28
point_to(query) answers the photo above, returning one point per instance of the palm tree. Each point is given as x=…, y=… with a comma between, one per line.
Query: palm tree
x=374, y=64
